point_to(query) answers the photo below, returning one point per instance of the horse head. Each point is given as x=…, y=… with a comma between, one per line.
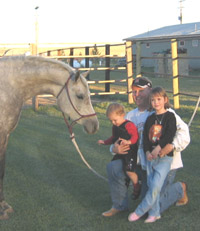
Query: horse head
x=74, y=101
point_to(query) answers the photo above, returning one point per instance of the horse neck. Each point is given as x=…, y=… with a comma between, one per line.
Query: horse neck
x=40, y=76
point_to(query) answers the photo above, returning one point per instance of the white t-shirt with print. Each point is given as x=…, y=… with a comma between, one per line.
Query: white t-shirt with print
x=139, y=118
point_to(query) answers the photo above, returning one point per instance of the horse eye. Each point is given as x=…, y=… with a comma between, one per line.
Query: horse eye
x=79, y=96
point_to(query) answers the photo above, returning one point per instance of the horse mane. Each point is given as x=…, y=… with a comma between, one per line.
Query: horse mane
x=53, y=61
x=39, y=59
x=39, y=63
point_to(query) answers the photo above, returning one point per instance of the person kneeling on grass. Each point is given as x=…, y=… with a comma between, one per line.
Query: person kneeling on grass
x=126, y=133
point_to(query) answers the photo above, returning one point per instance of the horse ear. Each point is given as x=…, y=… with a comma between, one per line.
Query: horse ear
x=85, y=74
x=76, y=76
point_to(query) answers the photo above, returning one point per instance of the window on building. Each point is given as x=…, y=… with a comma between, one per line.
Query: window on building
x=147, y=45
x=182, y=43
x=195, y=43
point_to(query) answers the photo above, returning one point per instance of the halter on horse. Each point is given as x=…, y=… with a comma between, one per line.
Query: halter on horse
x=81, y=116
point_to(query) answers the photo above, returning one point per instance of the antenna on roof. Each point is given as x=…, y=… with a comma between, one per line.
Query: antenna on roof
x=180, y=18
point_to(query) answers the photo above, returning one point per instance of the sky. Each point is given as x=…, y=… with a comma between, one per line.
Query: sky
x=89, y=21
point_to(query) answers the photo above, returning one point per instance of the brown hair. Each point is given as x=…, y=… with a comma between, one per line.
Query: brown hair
x=159, y=91
x=115, y=108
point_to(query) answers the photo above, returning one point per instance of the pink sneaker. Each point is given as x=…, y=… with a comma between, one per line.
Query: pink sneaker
x=151, y=219
x=133, y=217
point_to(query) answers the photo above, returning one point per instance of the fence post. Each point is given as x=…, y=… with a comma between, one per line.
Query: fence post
x=71, y=59
x=35, y=100
x=33, y=49
x=59, y=52
x=87, y=62
x=174, y=48
x=107, y=72
x=138, y=59
x=129, y=61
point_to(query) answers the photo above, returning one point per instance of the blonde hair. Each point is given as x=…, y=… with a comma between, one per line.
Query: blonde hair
x=159, y=91
x=116, y=108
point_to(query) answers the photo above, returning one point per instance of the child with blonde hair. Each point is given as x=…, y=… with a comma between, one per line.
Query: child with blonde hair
x=124, y=131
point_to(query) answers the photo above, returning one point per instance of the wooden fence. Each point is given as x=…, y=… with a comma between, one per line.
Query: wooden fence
x=174, y=56
x=132, y=65
x=100, y=52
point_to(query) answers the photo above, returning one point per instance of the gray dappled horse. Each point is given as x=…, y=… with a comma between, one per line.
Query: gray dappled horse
x=23, y=77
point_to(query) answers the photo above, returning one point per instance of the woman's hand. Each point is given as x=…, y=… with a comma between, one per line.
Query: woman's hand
x=120, y=148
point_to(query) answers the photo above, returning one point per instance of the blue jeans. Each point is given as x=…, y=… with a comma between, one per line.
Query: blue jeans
x=117, y=184
x=170, y=193
x=157, y=171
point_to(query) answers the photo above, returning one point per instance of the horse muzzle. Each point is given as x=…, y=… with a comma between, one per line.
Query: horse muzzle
x=91, y=125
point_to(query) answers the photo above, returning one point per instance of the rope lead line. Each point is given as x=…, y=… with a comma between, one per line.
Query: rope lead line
x=83, y=159
x=195, y=110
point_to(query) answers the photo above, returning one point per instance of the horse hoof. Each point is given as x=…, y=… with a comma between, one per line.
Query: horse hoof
x=5, y=207
x=9, y=210
x=3, y=216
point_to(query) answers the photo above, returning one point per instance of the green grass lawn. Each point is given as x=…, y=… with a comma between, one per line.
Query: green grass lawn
x=51, y=189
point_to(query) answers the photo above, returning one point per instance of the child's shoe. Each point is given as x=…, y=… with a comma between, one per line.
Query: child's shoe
x=133, y=217
x=152, y=219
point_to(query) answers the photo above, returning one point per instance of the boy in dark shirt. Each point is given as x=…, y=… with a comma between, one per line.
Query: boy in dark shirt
x=126, y=132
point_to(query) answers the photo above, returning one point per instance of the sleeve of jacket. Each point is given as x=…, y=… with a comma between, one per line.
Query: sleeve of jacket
x=132, y=130
x=182, y=136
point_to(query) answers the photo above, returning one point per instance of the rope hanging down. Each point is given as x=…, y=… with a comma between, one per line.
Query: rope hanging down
x=69, y=126
x=72, y=136
x=195, y=110
x=83, y=159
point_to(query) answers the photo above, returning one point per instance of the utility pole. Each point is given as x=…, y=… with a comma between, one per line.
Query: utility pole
x=180, y=18
x=36, y=29
x=35, y=100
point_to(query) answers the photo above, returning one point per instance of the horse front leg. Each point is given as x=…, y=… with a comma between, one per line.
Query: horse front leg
x=5, y=208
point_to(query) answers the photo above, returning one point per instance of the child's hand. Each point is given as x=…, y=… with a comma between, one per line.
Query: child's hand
x=156, y=151
x=100, y=142
x=166, y=150
x=149, y=156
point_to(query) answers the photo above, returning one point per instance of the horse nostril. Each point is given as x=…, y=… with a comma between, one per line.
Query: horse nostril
x=91, y=126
